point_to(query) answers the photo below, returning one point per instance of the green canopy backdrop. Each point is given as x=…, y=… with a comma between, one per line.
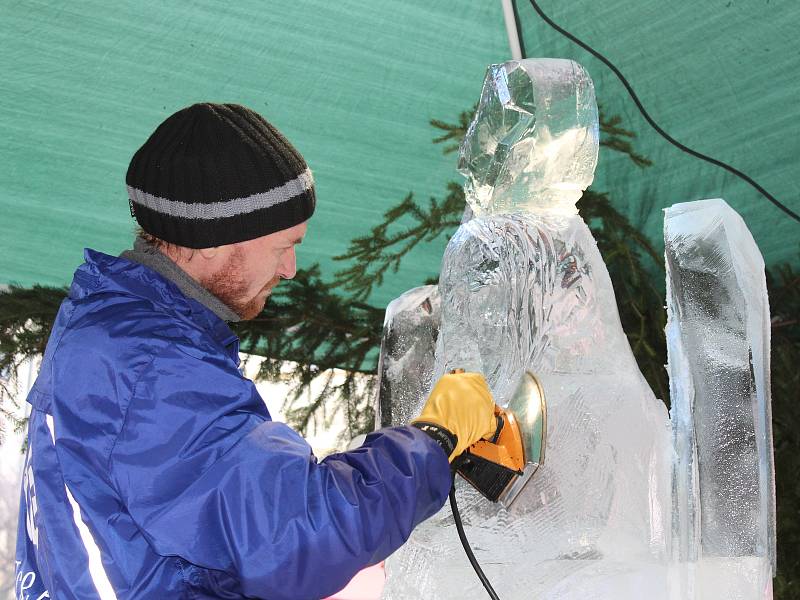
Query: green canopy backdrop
x=354, y=84
x=720, y=76
x=351, y=84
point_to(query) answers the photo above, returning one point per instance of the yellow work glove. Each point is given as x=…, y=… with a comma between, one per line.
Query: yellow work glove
x=460, y=405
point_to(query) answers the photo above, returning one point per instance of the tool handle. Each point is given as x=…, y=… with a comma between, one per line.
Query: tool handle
x=500, y=423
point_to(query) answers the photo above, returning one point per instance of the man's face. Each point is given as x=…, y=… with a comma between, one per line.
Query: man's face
x=251, y=269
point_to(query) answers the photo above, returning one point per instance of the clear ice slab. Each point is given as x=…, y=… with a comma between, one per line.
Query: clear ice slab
x=533, y=142
x=405, y=367
x=718, y=336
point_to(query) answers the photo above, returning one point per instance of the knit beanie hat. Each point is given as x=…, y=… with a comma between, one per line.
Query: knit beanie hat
x=217, y=174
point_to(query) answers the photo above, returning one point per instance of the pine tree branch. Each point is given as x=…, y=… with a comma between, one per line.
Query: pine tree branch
x=453, y=132
x=612, y=137
x=371, y=256
x=308, y=322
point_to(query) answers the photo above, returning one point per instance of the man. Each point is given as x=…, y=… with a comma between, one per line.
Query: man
x=153, y=467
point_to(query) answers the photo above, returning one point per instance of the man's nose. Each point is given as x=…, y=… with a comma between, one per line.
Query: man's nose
x=288, y=266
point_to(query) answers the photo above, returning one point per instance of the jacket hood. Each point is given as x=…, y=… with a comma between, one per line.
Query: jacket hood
x=105, y=274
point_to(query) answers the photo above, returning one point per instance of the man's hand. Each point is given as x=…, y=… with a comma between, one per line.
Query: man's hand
x=458, y=413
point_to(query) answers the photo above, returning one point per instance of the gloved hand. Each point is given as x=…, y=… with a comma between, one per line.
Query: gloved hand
x=460, y=405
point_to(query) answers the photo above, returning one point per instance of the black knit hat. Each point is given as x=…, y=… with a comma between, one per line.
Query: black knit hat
x=217, y=174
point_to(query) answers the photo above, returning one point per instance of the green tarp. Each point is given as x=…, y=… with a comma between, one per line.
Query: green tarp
x=353, y=85
x=721, y=77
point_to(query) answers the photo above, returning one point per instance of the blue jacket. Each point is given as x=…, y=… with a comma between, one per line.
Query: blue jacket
x=154, y=470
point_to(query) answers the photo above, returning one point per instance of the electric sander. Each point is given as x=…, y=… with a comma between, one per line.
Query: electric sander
x=500, y=467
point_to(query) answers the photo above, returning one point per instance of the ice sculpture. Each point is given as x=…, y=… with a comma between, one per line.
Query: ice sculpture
x=533, y=142
x=523, y=286
x=410, y=329
x=718, y=340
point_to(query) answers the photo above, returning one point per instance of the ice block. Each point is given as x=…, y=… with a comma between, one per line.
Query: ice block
x=718, y=336
x=405, y=367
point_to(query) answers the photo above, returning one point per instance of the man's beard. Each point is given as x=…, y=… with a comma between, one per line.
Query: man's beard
x=229, y=285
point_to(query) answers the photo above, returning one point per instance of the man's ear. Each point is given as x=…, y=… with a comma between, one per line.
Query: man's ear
x=209, y=253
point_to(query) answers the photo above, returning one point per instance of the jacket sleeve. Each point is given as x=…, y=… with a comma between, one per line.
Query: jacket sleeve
x=207, y=477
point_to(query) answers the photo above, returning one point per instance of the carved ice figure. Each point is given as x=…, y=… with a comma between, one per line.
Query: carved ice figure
x=523, y=286
x=532, y=145
x=718, y=336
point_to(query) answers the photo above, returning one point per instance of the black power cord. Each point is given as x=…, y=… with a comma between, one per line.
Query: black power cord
x=464, y=542
x=655, y=125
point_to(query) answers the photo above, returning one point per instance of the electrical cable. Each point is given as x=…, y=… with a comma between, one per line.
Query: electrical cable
x=655, y=125
x=464, y=542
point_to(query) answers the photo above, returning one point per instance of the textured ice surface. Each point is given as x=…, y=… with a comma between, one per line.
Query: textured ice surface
x=533, y=142
x=531, y=292
x=523, y=286
x=718, y=338
x=410, y=329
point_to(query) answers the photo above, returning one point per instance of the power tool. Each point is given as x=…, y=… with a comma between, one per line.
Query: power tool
x=501, y=467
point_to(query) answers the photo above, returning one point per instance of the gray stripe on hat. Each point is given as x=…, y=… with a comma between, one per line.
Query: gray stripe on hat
x=226, y=208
